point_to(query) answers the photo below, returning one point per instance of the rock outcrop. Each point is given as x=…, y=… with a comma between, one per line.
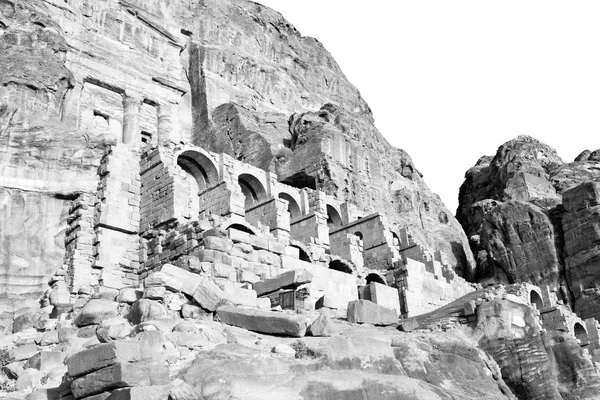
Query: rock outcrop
x=531, y=217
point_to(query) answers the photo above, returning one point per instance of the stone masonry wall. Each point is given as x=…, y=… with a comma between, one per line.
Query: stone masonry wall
x=118, y=218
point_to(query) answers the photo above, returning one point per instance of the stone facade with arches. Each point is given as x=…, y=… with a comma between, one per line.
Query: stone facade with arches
x=214, y=215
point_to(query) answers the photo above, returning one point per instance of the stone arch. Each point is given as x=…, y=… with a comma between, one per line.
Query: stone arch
x=293, y=206
x=341, y=266
x=302, y=254
x=200, y=167
x=373, y=277
x=240, y=226
x=252, y=188
x=580, y=333
x=334, y=219
x=536, y=300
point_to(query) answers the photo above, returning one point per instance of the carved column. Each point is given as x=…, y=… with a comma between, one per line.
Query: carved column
x=131, y=119
x=168, y=123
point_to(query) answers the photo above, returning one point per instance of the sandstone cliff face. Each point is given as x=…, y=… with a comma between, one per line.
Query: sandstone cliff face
x=279, y=101
x=232, y=76
x=44, y=159
x=532, y=217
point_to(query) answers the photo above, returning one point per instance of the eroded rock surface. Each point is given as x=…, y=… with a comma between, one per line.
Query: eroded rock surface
x=531, y=217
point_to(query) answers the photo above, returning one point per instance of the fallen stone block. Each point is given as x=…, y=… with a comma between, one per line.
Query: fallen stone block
x=102, y=356
x=161, y=279
x=469, y=308
x=287, y=280
x=141, y=393
x=239, y=296
x=271, y=322
x=46, y=360
x=49, y=338
x=95, y=311
x=120, y=375
x=323, y=326
x=189, y=280
x=408, y=325
x=29, y=379
x=367, y=312
x=209, y=296
x=23, y=352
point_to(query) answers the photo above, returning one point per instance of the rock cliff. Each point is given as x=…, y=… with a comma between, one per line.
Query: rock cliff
x=230, y=76
x=531, y=217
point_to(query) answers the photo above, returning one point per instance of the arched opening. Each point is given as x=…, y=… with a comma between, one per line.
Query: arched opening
x=581, y=334
x=341, y=266
x=359, y=241
x=375, y=278
x=334, y=220
x=242, y=228
x=253, y=190
x=535, y=300
x=303, y=255
x=200, y=167
x=293, y=207
x=396, y=241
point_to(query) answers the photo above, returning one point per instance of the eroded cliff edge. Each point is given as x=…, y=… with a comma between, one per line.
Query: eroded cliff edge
x=531, y=217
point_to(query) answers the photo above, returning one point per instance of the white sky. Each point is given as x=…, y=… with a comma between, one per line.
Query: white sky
x=450, y=81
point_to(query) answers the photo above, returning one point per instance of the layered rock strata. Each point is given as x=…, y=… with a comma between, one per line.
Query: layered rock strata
x=531, y=217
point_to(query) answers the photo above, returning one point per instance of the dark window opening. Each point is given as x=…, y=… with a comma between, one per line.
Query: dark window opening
x=340, y=266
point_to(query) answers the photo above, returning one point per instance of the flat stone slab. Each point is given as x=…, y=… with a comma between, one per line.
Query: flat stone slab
x=120, y=375
x=287, y=280
x=275, y=323
x=102, y=356
x=189, y=280
x=141, y=393
x=367, y=312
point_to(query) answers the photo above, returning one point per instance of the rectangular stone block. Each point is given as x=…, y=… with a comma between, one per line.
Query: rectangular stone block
x=120, y=375
x=385, y=296
x=287, y=280
x=367, y=312
x=101, y=356
x=141, y=393
x=270, y=322
x=189, y=280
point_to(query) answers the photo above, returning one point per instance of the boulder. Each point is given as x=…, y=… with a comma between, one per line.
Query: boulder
x=287, y=280
x=95, y=311
x=367, y=312
x=146, y=310
x=194, y=312
x=323, y=326
x=284, y=350
x=46, y=360
x=29, y=379
x=271, y=322
x=120, y=375
x=23, y=352
x=102, y=356
x=129, y=295
x=408, y=325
